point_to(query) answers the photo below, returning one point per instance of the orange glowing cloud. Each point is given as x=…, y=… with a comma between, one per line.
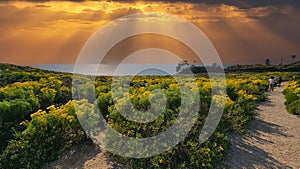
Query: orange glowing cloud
x=54, y=32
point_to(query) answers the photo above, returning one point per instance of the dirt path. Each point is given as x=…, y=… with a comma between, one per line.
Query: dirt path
x=273, y=139
x=84, y=156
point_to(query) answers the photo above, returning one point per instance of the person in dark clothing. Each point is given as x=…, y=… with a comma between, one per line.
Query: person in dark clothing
x=279, y=81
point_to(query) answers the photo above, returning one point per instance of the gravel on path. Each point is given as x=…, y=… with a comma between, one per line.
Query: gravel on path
x=272, y=141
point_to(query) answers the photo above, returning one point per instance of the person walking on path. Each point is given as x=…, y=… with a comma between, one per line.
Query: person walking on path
x=279, y=81
x=272, y=140
x=271, y=83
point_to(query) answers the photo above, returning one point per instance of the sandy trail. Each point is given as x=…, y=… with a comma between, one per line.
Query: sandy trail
x=272, y=141
x=84, y=156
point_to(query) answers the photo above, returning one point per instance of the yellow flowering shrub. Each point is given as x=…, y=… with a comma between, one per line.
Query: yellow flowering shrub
x=292, y=95
x=58, y=127
x=48, y=133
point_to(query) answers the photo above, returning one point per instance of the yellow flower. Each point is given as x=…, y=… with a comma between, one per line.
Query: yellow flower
x=161, y=161
x=24, y=123
x=142, y=89
x=229, y=101
x=174, y=86
x=146, y=93
x=245, y=95
x=206, y=85
x=37, y=114
x=241, y=92
x=51, y=108
x=221, y=148
x=203, y=165
x=64, y=115
x=131, y=97
x=219, y=100
x=70, y=118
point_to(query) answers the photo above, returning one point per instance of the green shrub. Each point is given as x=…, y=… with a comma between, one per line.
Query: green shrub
x=47, y=134
x=292, y=96
x=55, y=129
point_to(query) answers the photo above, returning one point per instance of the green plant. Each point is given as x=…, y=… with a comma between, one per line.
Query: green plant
x=47, y=134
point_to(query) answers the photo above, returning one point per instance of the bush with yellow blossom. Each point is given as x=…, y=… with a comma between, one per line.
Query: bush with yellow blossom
x=292, y=95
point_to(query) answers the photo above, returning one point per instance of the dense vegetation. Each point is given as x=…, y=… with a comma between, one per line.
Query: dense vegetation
x=25, y=92
x=292, y=67
x=12, y=73
x=185, y=67
x=292, y=95
x=39, y=121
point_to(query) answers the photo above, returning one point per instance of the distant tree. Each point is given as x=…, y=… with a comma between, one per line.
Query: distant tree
x=182, y=66
x=179, y=67
x=214, y=66
x=267, y=62
x=293, y=57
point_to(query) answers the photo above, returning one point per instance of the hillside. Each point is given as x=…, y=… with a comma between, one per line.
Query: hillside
x=10, y=73
x=44, y=117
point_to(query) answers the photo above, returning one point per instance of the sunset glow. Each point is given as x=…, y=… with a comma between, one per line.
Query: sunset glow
x=54, y=32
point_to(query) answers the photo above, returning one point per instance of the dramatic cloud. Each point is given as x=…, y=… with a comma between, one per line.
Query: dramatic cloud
x=242, y=31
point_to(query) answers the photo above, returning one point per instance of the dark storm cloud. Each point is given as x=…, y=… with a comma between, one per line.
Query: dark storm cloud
x=238, y=3
x=285, y=24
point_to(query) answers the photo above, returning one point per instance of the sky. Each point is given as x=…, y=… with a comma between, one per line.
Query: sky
x=242, y=32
